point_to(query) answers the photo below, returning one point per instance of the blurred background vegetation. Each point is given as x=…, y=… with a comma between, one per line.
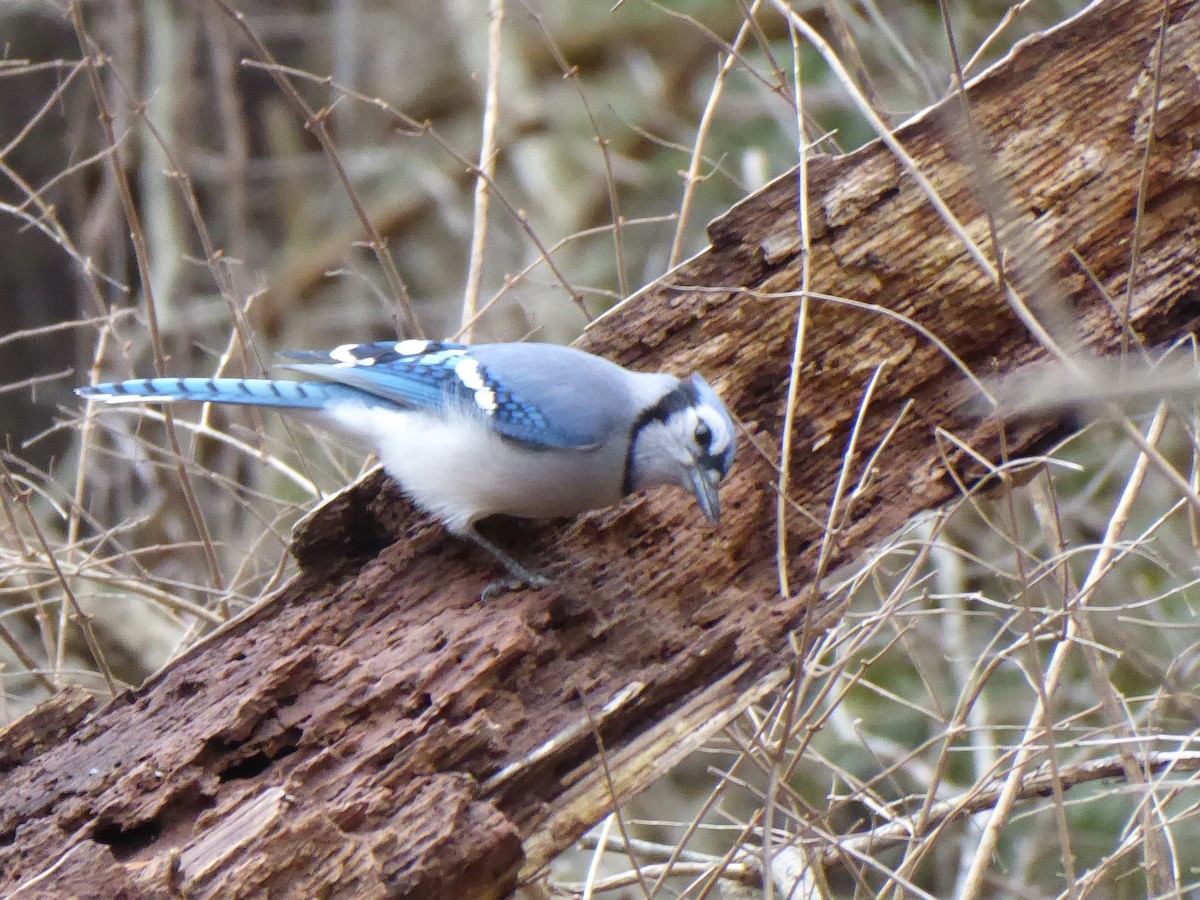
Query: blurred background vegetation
x=618, y=134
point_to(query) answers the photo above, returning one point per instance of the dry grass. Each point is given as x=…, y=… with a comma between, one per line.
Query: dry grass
x=1008, y=707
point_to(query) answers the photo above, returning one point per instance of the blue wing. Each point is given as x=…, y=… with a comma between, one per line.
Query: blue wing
x=436, y=375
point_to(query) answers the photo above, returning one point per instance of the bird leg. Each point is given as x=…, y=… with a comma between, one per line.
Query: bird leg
x=522, y=577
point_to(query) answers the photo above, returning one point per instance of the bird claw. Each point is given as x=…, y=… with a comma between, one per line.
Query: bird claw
x=503, y=586
x=520, y=577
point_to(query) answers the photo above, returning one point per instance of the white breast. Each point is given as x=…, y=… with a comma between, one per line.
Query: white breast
x=460, y=471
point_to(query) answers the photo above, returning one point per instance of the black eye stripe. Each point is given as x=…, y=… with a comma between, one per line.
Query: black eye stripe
x=716, y=444
x=676, y=400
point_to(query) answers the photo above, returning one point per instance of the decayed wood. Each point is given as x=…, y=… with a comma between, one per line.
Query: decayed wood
x=375, y=731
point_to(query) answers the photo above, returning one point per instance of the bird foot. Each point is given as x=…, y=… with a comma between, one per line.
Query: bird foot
x=530, y=580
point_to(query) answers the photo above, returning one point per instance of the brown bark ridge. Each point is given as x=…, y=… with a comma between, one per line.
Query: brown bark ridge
x=375, y=731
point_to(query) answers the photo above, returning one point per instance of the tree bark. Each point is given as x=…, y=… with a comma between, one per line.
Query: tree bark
x=375, y=731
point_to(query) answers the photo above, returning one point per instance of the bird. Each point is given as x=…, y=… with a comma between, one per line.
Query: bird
x=526, y=430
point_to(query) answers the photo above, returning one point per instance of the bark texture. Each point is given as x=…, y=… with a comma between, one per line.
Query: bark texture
x=374, y=731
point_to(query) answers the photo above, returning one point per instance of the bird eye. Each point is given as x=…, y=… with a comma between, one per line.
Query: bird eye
x=703, y=434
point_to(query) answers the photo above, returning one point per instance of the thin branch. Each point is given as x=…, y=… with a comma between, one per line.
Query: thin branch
x=486, y=170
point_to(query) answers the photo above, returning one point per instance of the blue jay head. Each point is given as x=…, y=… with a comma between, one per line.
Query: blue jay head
x=688, y=438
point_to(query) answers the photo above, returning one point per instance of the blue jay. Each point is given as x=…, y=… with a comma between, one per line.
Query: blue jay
x=527, y=430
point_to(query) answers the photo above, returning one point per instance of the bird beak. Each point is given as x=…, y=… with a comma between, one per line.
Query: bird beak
x=705, y=491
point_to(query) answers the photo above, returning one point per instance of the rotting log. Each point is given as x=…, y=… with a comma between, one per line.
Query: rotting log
x=374, y=731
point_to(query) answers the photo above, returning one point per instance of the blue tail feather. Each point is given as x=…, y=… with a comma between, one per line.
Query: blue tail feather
x=244, y=391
